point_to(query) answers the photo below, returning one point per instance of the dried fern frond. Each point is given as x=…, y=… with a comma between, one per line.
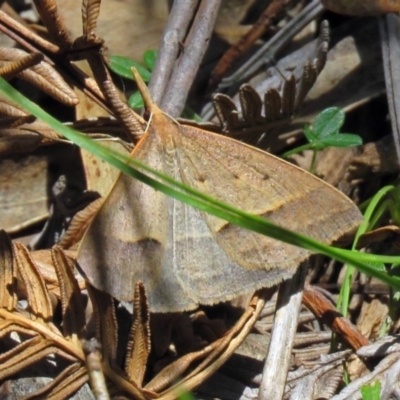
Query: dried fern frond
x=38, y=335
x=260, y=116
x=41, y=75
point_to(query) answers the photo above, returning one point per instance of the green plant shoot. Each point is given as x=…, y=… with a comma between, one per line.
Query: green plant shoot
x=325, y=132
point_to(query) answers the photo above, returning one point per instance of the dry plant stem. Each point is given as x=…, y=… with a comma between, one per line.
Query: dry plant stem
x=316, y=302
x=95, y=370
x=223, y=348
x=266, y=19
x=178, y=22
x=282, y=336
x=58, y=341
x=25, y=37
x=352, y=390
x=130, y=121
x=47, y=10
x=187, y=65
x=389, y=26
x=277, y=42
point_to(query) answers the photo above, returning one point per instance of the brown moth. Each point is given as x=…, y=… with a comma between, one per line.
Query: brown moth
x=186, y=257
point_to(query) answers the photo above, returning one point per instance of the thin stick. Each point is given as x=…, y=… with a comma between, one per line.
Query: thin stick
x=181, y=15
x=266, y=19
x=277, y=42
x=282, y=336
x=195, y=46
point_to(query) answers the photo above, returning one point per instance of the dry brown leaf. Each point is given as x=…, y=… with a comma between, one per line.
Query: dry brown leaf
x=139, y=345
x=72, y=306
x=35, y=287
x=372, y=318
x=23, y=193
x=42, y=75
x=79, y=224
x=8, y=273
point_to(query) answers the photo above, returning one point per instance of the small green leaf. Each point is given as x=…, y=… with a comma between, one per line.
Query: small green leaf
x=188, y=113
x=371, y=392
x=328, y=122
x=342, y=140
x=309, y=133
x=135, y=101
x=123, y=67
x=396, y=296
x=149, y=58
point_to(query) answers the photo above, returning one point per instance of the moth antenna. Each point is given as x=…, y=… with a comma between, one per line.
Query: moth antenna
x=144, y=91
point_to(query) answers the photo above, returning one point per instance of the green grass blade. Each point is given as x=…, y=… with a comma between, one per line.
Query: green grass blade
x=170, y=187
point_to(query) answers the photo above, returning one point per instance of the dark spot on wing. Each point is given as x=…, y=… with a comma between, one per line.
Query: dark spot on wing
x=201, y=178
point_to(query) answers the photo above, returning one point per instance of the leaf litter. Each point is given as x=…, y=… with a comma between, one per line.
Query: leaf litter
x=50, y=316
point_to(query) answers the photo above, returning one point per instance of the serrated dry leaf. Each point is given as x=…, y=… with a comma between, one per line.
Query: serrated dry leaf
x=9, y=70
x=79, y=224
x=35, y=287
x=63, y=385
x=90, y=13
x=106, y=323
x=72, y=306
x=138, y=348
x=42, y=75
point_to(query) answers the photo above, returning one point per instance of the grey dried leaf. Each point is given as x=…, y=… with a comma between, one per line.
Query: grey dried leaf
x=280, y=106
x=272, y=105
x=226, y=112
x=251, y=105
x=306, y=82
x=90, y=13
x=8, y=275
x=288, y=97
x=310, y=385
x=42, y=75
x=380, y=348
x=328, y=359
x=381, y=372
x=329, y=383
